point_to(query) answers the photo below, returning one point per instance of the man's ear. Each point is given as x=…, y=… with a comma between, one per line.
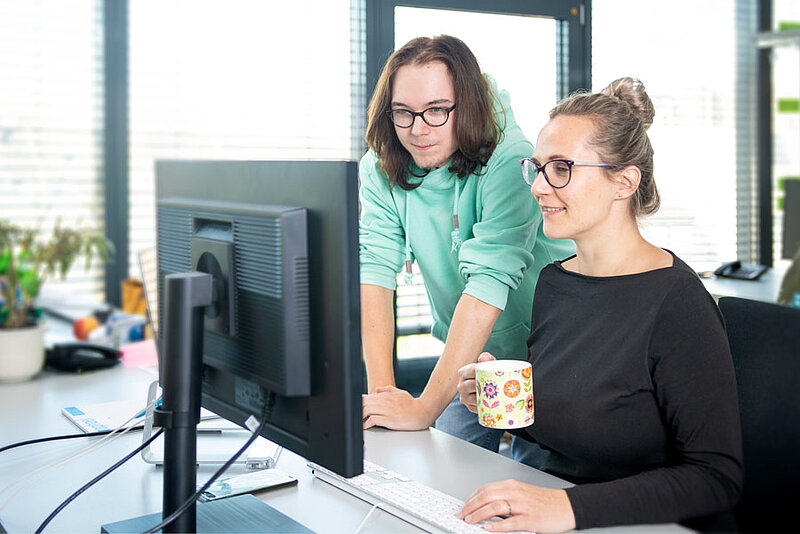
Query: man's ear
x=628, y=181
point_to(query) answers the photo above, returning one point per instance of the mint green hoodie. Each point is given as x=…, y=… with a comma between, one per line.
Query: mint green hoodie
x=502, y=246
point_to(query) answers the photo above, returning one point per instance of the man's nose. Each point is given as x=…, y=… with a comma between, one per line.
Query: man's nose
x=419, y=126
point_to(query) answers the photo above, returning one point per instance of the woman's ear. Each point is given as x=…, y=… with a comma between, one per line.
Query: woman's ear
x=628, y=181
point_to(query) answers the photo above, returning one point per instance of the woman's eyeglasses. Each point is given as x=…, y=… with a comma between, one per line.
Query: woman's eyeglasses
x=557, y=172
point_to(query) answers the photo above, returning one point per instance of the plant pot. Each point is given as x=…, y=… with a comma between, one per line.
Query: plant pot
x=21, y=352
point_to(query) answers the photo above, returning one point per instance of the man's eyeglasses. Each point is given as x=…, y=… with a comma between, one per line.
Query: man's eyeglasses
x=433, y=117
x=557, y=172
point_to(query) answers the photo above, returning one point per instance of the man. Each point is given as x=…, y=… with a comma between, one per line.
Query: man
x=442, y=185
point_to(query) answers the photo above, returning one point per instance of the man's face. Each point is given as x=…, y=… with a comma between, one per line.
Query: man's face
x=417, y=88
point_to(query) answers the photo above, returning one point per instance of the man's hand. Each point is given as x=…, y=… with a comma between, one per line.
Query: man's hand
x=524, y=507
x=396, y=409
x=467, y=387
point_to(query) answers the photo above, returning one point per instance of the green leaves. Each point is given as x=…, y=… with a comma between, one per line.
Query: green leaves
x=27, y=259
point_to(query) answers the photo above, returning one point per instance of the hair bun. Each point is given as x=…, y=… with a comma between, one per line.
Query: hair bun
x=632, y=92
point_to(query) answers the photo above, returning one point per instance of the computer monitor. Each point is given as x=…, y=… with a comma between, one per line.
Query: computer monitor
x=280, y=241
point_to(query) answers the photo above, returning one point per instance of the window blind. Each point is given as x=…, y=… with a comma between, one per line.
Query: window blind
x=236, y=79
x=694, y=133
x=51, y=121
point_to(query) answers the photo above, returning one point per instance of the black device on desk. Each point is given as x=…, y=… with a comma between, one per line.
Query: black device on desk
x=78, y=357
x=740, y=271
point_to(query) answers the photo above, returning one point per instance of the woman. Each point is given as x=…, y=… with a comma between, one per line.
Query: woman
x=634, y=386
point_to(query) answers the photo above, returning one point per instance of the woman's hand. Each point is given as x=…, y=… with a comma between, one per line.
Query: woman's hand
x=467, y=388
x=524, y=507
x=395, y=409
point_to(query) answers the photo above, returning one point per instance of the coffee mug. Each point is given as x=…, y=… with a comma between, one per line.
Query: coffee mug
x=505, y=393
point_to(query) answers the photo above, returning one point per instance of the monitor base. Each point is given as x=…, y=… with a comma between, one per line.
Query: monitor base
x=243, y=513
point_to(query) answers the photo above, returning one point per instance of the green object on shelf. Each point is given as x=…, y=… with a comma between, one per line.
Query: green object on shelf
x=788, y=25
x=788, y=105
x=781, y=182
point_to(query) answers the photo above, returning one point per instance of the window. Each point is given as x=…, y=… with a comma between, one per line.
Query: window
x=694, y=132
x=533, y=90
x=541, y=56
x=785, y=108
x=242, y=79
x=51, y=122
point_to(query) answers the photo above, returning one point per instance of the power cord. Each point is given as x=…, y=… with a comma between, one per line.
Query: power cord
x=57, y=438
x=376, y=506
x=108, y=438
x=96, y=479
x=265, y=415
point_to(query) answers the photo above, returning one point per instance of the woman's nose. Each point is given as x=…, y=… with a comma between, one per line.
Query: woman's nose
x=540, y=185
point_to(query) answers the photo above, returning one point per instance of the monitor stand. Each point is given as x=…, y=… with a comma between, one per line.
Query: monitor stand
x=243, y=513
x=187, y=295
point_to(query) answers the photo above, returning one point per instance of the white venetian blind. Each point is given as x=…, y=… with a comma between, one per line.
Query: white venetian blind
x=51, y=121
x=236, y=79
x=685, y=52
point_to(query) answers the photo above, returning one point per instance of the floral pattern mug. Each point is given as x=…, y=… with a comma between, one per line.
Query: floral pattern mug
x=505, y=393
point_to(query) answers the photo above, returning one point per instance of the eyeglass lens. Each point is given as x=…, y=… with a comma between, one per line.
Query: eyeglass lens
x=432, y=116
x=556, y=172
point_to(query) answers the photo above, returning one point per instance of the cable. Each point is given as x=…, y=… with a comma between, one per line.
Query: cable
x=265, y=414
x=57, y=438
x=96, y=479
x=376, y=506
x=112, y=436
x=67, y=436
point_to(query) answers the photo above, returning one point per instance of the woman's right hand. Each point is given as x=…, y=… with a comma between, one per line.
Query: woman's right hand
x=467, y=389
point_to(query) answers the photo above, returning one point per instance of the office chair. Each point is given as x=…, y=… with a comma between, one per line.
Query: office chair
x=765, y=344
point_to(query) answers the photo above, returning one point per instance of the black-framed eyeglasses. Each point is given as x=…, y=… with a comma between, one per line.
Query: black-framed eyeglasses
x=557, y=172
x=433, y=117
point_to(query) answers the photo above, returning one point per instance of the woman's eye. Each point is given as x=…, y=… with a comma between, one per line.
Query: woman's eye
x=562, y=168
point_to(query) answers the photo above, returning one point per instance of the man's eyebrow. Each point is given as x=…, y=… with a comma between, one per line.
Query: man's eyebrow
x=432, y=103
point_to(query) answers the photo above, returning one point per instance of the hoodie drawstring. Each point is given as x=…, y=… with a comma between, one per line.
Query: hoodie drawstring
x=408, y=274
x=455, y=236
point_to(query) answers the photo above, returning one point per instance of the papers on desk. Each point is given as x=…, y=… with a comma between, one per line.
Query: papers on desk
x=110, y=415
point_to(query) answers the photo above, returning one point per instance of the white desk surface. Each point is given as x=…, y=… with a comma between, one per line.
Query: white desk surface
x=765, y=288
x=32, y=409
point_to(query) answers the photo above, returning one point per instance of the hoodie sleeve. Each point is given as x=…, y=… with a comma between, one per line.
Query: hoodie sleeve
x=494, y=260
x=381, y=235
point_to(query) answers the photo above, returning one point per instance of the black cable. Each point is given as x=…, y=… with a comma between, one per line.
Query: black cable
x=97, y=479
x=174, y=515
x=65, y=436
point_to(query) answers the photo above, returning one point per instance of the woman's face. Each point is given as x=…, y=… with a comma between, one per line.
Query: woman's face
x=582, y=208
x=417, y=88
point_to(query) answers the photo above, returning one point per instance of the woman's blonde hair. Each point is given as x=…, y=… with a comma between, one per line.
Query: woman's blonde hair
x=622, y=112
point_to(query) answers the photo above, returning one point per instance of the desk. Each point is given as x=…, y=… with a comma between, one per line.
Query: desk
x=32, y=409
x=764, y=289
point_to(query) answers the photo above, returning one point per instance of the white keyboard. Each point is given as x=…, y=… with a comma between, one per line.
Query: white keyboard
x=420, y=505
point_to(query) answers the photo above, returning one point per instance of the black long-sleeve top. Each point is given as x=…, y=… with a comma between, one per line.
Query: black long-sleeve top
x=635, y=396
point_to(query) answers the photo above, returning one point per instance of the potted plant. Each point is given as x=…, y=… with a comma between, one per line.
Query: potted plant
x=27, y=259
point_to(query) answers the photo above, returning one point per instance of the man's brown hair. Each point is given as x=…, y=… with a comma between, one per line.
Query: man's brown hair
x=477, y=130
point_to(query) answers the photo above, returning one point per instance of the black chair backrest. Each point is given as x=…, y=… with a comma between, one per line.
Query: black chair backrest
x=765, y=344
